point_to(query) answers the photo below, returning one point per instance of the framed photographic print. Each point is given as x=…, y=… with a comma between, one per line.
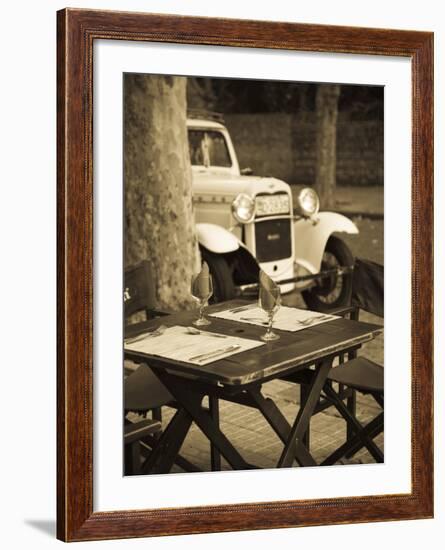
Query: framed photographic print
x=228, y=194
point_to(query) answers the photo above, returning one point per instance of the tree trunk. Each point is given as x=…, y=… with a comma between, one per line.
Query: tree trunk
x=159, y=220
x=326, y=105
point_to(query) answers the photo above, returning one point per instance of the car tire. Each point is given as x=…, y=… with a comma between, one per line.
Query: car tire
x=321, y=297
x=222, y=276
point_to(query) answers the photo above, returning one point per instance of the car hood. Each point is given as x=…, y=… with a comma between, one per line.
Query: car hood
x=230, y=186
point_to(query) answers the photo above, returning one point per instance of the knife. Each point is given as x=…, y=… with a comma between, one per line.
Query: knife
x=254, y=320
x=241, y=308
x=210, y=354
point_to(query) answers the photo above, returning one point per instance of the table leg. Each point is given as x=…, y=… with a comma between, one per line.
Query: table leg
x=272, y=415
x=164, y=454
x=215, y=457
x=149, y=443
x=191, y=402
x=303, y=396
x=294, y=445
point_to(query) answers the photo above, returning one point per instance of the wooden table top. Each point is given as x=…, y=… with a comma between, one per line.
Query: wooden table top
x=272, y=360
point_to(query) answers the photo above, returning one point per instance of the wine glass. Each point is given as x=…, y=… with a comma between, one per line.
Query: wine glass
x=201, y=293
x=270, y=301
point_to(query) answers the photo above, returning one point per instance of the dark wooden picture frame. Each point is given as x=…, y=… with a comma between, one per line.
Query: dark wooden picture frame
x=77, y=31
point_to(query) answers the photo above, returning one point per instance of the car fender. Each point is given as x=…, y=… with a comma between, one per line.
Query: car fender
x=216, y=239
x=311, y=237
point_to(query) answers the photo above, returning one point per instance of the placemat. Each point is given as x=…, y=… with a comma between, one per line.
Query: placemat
x=291, y=319
x=190, y=345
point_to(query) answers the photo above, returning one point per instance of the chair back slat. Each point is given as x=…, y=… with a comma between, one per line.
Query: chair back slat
x=368, y=286
x=139, y=289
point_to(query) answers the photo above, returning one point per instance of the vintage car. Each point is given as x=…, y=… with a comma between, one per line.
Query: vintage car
x=246, y=222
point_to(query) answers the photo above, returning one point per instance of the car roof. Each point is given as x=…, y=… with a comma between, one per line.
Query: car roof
x=201, y=123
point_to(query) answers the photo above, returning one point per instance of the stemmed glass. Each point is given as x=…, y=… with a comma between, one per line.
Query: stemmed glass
x=270, y=300
x=201, y=293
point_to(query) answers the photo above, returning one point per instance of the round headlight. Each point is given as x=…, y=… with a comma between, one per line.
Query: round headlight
x=308, y=201
x=243, y=208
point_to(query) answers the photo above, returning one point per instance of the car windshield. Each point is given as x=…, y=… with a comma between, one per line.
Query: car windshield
x=208, y=148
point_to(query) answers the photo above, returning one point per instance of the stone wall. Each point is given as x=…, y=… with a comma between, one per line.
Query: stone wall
x=283, y=146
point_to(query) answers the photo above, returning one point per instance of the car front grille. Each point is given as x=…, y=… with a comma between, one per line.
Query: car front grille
x=273, y=240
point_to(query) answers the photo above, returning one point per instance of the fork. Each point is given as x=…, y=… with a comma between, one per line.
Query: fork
x=158, y=332
x=308, y=322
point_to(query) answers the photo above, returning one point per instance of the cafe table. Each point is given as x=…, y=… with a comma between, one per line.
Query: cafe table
x=239, y=379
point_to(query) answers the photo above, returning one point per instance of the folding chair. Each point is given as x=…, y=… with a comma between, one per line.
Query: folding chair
x=134, y=434
x=360, y=374
x=143, y=391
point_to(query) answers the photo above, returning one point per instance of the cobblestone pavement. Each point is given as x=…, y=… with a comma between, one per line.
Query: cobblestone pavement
x=258, y=444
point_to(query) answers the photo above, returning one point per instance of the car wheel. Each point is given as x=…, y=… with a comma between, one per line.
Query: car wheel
x=222, y=276
x=335, y=291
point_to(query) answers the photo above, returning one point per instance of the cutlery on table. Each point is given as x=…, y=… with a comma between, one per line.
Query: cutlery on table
x=310, y=321
x=211, y=354
x=157, y=332
x=254, y=319
x=241, y=308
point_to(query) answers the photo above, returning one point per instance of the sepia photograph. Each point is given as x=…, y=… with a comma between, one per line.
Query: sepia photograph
x=253, y=269
x=222, y=245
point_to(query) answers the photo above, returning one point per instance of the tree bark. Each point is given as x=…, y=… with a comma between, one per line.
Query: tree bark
x=159, y=220
x=326, y=105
